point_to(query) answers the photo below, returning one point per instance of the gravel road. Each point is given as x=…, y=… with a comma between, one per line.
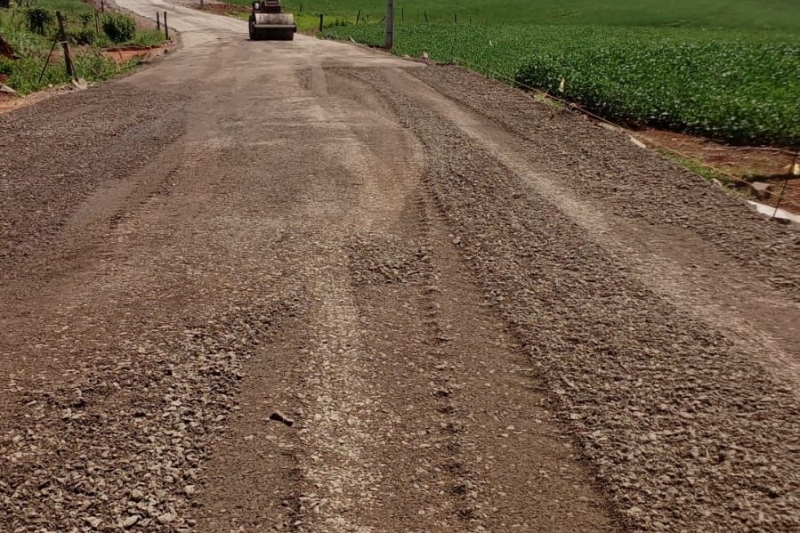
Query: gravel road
x=305, y=286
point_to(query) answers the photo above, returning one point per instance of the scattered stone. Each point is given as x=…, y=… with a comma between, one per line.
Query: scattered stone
x=143, y=470
x=761, y=190
x=166, y=518
x=280, y=417
x=610, y=127
x=637, y=142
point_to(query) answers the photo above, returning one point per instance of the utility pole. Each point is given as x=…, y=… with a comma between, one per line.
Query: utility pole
x=389, y=25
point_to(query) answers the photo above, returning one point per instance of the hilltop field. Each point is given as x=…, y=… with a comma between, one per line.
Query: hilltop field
x=729, y=71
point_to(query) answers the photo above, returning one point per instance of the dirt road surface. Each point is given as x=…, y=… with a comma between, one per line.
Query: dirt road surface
x=305, y=286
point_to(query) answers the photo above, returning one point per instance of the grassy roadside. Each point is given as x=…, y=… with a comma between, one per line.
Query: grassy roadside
x=29, y=31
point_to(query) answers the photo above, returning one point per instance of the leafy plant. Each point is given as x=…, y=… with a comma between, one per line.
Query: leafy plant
x=86, y=19
x=22, y=43
x=119, y=28
x=40, y=20
x=83, y=36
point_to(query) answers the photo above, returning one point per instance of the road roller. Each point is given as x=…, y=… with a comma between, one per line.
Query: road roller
x=268, y=21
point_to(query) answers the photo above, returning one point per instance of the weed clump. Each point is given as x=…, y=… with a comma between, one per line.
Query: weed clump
x=119, y=28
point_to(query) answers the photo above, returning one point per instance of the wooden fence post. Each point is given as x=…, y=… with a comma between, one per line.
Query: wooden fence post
x=62, y=35
x=166, y=28
x=321, y=21
x=158, y=20
x=792, y=172
x=389, y=40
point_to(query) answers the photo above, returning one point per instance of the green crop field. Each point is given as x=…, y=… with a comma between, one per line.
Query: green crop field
x=728, y=70
x=742, y=14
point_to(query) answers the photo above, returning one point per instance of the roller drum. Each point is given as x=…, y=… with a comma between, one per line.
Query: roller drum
x=272, y=26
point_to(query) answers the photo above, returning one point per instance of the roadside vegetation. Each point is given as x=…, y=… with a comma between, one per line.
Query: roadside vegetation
x=725, y=71
x=30, y=27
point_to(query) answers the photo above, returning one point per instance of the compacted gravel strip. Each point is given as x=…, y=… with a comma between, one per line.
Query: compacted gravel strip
x=630, y=182
x=89, y=138
x=686, y=432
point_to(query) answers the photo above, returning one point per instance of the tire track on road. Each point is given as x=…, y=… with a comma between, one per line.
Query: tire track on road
x=670, y=413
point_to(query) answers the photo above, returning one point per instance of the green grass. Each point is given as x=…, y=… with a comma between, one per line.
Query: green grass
x=148, y=38
x=66, y=6
x=736, y=85
x=32, y=49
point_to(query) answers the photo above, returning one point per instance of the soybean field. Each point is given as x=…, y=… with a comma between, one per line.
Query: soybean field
x=734, y=77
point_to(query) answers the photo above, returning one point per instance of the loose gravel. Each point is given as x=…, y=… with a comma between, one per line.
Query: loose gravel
x=628, y=181
x=123, y=443
x=46, y=172
x=387, y=261
x=685, y=431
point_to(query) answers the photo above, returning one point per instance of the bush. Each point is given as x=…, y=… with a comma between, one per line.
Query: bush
x=119, y=28
x=83, y=36
x=101, y=40
x=6, y=67
x=23, y=43
x=39, y=20
x=86, y=19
